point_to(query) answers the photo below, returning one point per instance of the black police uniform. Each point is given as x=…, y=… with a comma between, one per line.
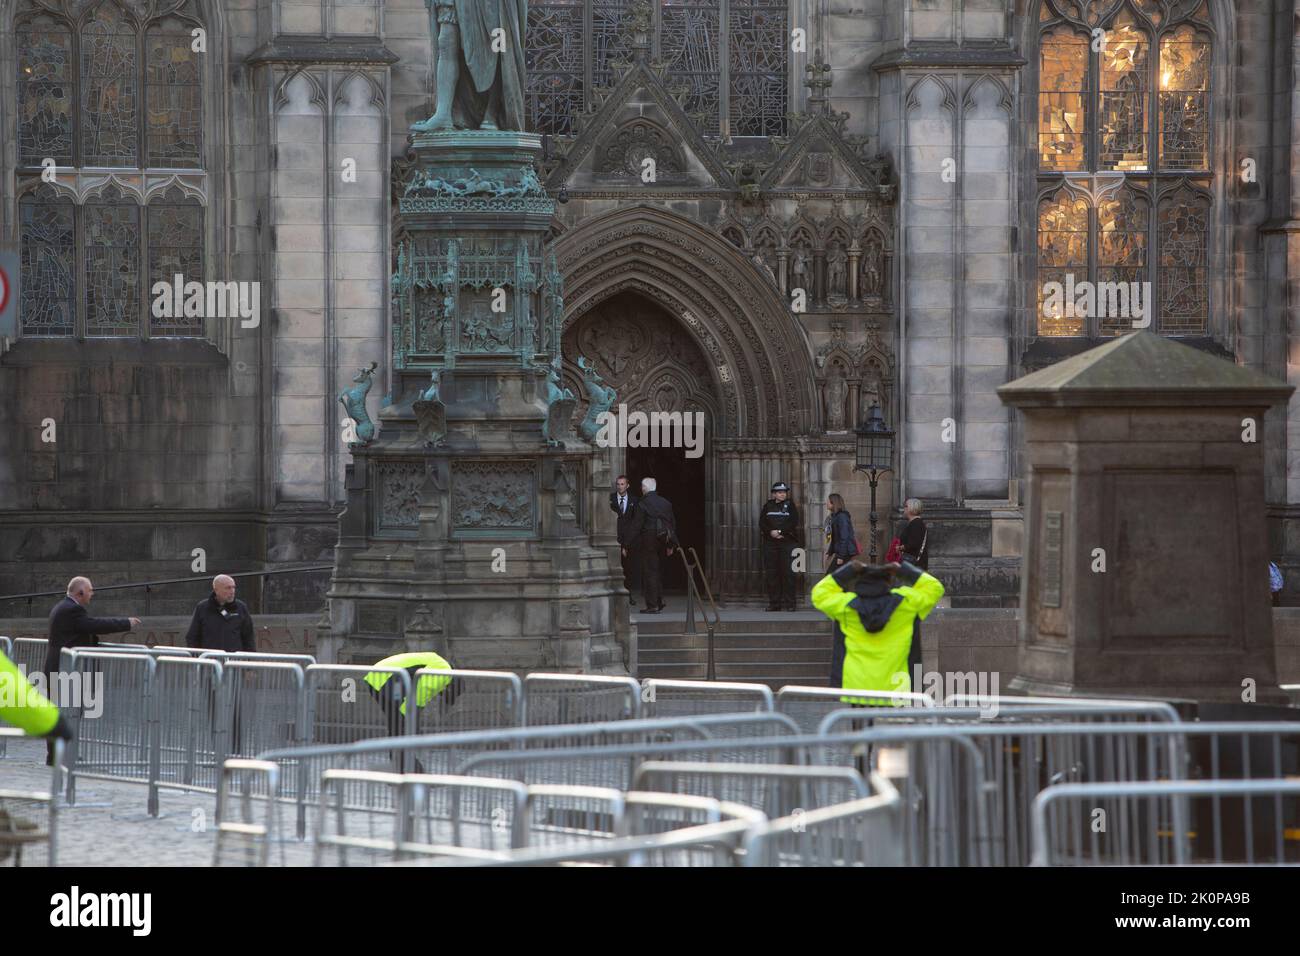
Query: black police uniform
x=778, y=553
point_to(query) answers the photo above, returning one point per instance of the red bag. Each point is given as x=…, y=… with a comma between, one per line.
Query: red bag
x=895, y=552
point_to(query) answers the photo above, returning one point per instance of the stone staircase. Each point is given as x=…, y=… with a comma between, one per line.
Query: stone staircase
x=787, y=649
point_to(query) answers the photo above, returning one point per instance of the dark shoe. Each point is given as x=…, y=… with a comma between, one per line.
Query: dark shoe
x=792, y=608
x=649, y=610
x=774, y=607
x=661, y=606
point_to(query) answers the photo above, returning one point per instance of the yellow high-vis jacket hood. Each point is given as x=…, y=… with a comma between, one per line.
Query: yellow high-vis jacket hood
x=23, y=705
x=427, y=687
x=877, y=660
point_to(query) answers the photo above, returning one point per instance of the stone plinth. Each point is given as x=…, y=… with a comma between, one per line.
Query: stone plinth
x=470, y=527
x=1146, y=553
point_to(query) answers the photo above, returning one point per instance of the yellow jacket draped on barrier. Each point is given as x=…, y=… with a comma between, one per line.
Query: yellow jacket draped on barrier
x=427, y=687
x=876, y=620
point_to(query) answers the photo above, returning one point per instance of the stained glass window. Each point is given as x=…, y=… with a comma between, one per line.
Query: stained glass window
x=45, y=85
x=175, y=248
x=1184, y=295
x=1184, y=100
x=741, y=45
x=109, y=89
x=175, y=109
x=1062, y=103
x=757, y=38
x=1062, y=252
x=106, y=84
x=45, y=258
x=1123, y=117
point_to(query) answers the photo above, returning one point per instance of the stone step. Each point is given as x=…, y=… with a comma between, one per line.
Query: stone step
x=779, y=624
x=661, y=641
x=776, y=658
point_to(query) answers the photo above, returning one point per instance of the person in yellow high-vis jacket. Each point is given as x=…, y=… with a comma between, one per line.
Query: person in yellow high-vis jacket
x=25, y=707
x=391, y=695
x=875, y=605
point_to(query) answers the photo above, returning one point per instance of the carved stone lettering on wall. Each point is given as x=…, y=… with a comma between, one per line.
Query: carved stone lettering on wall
x=491, y=496
x=398, y=502
x=1053, y=523
x=375, y=617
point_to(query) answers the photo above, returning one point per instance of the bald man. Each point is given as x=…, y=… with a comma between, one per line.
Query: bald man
x=221, y=623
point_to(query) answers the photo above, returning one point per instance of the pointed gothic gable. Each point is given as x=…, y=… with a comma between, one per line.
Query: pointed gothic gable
x=817, y=157
x=637, y=118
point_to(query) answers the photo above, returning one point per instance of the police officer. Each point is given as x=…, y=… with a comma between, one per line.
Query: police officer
x=779, y=525
x=391, y=694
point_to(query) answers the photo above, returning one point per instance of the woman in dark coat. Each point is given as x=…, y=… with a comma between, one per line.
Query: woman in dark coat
x=841, y=548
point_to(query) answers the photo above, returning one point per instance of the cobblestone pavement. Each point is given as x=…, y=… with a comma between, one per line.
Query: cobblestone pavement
x=110, y=824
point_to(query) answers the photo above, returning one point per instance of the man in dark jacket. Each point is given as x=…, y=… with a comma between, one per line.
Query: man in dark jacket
x=779, y=524
x=623, y=503
x=654, y=528
x=72, y=626
x=220, y=622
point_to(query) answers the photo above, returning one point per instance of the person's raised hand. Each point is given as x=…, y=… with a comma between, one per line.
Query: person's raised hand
x=135, y=622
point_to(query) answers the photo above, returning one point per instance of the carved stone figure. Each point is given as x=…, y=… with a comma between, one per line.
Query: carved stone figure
x=431, y=413
x=600, y=398
x=763, y=266
x=354, y=403
x=871, y=394
x=480, y=81
x=836, y=263
x=872, y=263
x=560, y=403
x=836, y=390
x=799, y=278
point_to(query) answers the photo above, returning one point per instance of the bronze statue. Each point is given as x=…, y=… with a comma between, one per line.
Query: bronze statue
x=480, y=79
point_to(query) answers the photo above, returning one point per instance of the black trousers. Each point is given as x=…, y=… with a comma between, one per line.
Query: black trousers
x=652, y=582
x=914, y=654
x=837, y=655
x=778, y=555
x=631, y=571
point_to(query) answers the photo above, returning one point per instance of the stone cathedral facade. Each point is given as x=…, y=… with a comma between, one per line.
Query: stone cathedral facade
x=849, y=203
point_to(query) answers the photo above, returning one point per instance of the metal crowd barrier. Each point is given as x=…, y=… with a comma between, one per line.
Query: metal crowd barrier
x=1198, y=822
x=808, y=706
x=775, y=790
x=248, y=815
x=690, y=698
x=999, y=769
x=302, y=660
x=447, y=753
x=712, y=844
x=29, y=653
x=115, y=743
x=29, y=819
x=6, y=647
x=477, y=700
x=862, y=832
x=551, y=699
x=853, y=719
x=190, y=734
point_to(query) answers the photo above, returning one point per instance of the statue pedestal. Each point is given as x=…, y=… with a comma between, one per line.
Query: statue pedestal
x=1146, y=552
x=473, y=524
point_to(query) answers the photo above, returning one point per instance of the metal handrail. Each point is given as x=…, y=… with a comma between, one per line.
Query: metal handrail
x=691, y=565
x=150, y=585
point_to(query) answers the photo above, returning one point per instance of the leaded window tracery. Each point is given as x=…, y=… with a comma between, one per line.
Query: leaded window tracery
x=711, y=46
x=1124, y=158
x=107, y=89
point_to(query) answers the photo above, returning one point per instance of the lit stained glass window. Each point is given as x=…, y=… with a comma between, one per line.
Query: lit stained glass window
x=1109, y=104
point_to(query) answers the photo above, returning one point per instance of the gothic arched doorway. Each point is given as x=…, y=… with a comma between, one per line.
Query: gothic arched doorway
x=654, y=364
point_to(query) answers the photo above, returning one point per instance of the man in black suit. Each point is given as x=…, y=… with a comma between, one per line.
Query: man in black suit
x=623, y=503
x=71, y=626
x=654, y=528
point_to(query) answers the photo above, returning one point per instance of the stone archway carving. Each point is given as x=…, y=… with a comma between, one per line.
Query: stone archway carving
x=760, y=361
